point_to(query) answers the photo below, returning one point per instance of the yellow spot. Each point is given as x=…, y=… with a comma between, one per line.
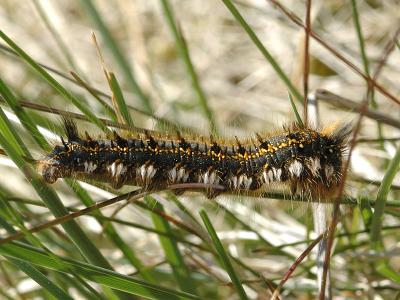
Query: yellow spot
x=270, y=148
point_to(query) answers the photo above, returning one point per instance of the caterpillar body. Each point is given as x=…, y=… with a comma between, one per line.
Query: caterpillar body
x=305, y=159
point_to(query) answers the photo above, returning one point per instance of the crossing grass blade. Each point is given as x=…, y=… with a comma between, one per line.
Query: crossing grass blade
x=119, y=99
x=257, y=42
x=62, y=46
x=223, y=256
x=81, y=193
x=95, y=274
x=48, y=195
x=54, y=83
x=112, y=233
x=14, y=219
x=185, y=55
x=377, y=219
x=108, y=109
x=41, y=279
x=365, y=61
x=22, y=115
x=120, y=59
x=171, y=250
x=296, y=112
x=27, y=268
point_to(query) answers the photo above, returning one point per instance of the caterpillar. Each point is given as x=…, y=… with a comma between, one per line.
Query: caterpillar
x=305, y=159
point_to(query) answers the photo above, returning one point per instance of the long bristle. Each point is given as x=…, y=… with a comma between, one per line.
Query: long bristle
x=342, y=133
x=71, y=129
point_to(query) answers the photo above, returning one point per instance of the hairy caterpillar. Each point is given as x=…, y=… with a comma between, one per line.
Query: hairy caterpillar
x=307, y=160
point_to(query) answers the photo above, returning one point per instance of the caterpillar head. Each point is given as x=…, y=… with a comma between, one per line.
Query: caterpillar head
x=56, y=165
x=62, y=160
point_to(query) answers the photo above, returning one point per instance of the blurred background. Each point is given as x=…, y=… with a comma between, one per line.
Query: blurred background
x=191, y=64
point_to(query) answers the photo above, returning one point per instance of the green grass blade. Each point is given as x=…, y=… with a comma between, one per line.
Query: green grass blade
x=40, y=279
x=172, y=197
x=22, y=116
x=234, y=218
x=28, y=269
x=361, y=42
x=96, y=95
x=54, y=34
x=281, y=74
x=52, y=201
x=100, y=217
x=75, y=281
x=9, y=134
x=116, y=52
x=360, y=37
x=223, y=256
x=170, y=235
x=111, y=232
x=383, y=268
x=89, y=251
x=296, y=112
x=54, y=83
x=377, y=219
x=171, y=250
x=96, y=274
x=119, y=98
x=12, y=216
x=83, y=196
x=87, y=291
x=184, y=53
